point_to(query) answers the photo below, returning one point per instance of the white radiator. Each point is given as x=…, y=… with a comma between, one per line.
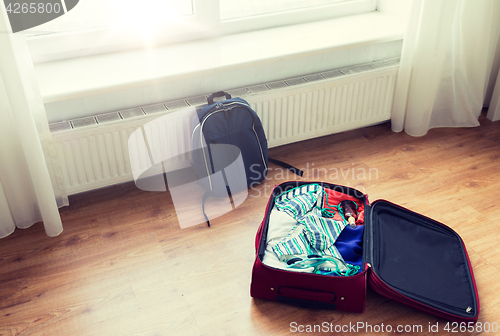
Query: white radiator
x=93, y=151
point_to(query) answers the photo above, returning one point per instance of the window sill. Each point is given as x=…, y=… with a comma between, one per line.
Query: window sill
x=69, y=81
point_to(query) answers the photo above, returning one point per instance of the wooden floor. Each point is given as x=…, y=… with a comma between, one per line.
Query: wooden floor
x=122, y=265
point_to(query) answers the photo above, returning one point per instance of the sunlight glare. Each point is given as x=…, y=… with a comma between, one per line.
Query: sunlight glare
x=147, y=16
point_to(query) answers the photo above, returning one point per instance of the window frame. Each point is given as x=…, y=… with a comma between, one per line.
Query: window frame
x=204, y=23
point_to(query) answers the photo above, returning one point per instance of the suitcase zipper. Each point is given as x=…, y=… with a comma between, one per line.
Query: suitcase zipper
x=382, y=288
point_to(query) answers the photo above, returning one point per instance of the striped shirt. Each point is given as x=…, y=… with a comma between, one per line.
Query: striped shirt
x=313, y=234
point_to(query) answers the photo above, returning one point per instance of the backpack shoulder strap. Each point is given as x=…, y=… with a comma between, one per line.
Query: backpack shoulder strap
x=205, y=196
x=287, y=166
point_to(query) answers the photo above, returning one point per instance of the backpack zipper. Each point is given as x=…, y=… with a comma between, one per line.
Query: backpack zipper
x=260, y=147
x=210, y=112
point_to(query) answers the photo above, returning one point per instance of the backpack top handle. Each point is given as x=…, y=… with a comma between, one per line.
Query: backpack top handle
x=210, y=98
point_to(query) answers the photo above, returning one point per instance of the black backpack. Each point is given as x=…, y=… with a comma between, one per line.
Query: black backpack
x=224, y=131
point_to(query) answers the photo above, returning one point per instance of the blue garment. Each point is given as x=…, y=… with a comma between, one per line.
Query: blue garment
x=349, y=244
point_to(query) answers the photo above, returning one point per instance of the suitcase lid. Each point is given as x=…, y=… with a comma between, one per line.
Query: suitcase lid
x=420, y=262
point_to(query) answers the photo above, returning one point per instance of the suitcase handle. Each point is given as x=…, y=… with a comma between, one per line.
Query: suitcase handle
x=307, y=298
x=305, y=294
x=210, y=98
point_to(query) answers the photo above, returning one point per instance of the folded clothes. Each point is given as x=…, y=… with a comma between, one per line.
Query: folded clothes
x=325, y=265
x=280, y=224
x=314, y=233
x=318, y=232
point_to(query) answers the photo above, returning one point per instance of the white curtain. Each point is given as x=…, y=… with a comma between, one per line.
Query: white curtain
x=30, y=183
x=446, y=64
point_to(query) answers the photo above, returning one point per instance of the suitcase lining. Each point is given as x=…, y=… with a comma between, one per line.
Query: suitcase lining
x=421, y=259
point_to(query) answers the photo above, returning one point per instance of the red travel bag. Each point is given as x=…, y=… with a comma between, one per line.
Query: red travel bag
x=405, y=256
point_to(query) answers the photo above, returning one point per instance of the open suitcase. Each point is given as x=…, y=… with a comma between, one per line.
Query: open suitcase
x=405, y=256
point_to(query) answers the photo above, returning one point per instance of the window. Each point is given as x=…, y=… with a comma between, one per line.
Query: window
x=96, y=26
x=112, y=14
x=230, y=9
